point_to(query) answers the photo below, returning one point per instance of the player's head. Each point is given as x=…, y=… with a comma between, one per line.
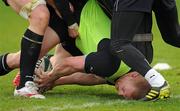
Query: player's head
x=132, y=86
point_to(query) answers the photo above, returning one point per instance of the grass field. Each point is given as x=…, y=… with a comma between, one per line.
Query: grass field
x=80, y=98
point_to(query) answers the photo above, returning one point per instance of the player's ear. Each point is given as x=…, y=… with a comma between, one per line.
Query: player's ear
x=134, y=74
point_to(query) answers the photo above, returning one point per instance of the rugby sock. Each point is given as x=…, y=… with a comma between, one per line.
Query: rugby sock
x=122, y=47
x=4, y=68
x=30, y=49
x=154, y=78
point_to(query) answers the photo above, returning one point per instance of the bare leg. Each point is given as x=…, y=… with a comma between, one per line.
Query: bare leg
x=50, y=40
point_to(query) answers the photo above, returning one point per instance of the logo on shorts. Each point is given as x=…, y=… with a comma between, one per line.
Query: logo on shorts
x=91, y=69
x=119, y=51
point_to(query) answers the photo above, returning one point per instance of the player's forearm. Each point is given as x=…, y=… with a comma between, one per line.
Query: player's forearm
x=67, y=67
x=80, y=79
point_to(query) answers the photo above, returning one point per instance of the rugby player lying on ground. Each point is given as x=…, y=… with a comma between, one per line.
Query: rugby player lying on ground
x=101, y=63
x=130, y=85
x=97, y=39
x=156, y=80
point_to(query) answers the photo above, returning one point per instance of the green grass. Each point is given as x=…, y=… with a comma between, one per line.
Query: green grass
x=78, y=98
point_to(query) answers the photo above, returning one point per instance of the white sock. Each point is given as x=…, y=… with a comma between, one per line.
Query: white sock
x=154, y=78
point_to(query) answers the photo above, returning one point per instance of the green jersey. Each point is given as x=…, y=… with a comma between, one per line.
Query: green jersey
x=94, y=26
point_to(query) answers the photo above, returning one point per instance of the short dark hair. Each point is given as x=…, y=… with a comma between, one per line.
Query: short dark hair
x=142, y=87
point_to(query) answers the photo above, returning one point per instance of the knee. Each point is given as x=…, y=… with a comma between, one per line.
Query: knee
x=40, y=16
x=118, y=45
x=13, y=60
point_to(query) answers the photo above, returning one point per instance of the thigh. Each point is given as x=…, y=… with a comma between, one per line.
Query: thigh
x=125, y=25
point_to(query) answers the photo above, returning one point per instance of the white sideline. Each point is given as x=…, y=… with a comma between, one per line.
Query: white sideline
x=85, y=105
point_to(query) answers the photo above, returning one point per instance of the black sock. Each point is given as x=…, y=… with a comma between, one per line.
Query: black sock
x=4, y=68
x=30, y=49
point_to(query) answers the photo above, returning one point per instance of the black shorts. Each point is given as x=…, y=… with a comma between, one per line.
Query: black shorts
x=104, y=64
x=60, y=27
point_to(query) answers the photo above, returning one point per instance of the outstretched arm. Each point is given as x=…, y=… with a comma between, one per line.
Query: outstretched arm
x=76, y=78
x=80, y=79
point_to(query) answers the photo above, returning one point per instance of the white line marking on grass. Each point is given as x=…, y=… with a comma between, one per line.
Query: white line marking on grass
x=82, y=106
x=86, y=105
x=67, y=106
